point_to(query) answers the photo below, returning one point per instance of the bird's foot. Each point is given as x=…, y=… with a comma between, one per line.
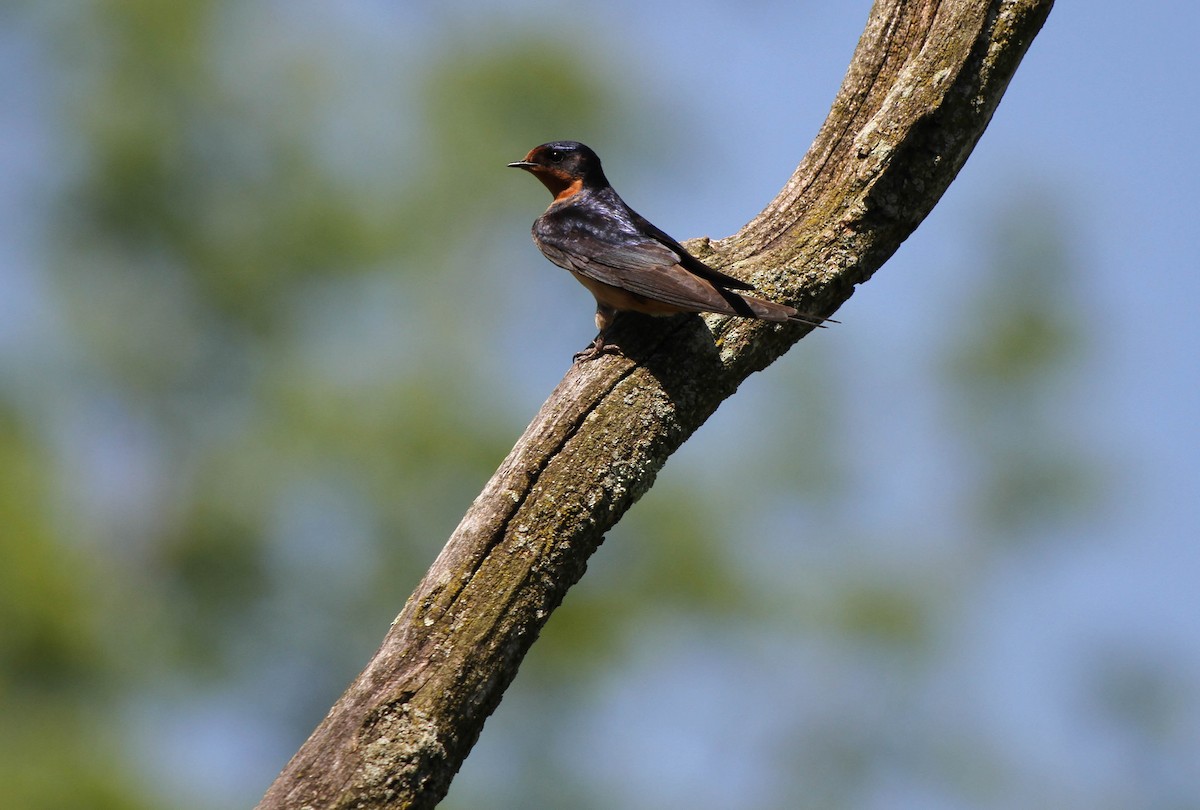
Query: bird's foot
x=596, y=348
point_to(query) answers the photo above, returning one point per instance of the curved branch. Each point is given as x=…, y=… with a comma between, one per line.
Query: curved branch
x=922, y=86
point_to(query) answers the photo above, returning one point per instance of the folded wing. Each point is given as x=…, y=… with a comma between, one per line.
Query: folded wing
x=653, y=270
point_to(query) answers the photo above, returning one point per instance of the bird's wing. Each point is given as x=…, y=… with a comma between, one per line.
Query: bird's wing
x=689, y=261
x=644, y=267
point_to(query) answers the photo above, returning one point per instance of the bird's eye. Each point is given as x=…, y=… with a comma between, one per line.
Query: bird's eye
x=556, y=156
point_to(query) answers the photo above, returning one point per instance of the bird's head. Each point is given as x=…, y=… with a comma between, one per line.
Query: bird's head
x=564, y=167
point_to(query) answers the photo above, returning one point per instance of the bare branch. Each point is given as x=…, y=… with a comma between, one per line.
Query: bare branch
x=923, y=84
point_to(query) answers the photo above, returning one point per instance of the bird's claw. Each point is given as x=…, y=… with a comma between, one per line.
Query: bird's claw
x=596, y=348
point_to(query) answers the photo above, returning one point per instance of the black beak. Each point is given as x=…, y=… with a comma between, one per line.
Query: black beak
x=522, y=164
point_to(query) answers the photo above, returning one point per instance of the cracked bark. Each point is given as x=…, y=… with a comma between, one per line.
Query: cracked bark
x=921, y=88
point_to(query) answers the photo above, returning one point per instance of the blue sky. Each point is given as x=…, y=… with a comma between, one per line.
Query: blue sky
x=1100, y=118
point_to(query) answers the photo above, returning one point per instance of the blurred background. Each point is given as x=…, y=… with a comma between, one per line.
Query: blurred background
x=270, y=316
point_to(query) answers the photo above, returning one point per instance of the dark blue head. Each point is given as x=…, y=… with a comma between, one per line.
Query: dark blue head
x=564, y=167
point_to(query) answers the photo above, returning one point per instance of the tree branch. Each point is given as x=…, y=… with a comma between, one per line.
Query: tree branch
x=923, y=84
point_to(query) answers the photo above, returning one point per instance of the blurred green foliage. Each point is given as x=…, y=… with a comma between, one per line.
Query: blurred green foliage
x=267, y=407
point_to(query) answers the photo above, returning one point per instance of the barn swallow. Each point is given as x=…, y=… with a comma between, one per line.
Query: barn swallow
x=627, y=263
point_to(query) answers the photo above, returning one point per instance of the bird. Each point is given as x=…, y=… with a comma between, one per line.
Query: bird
x=627, y=263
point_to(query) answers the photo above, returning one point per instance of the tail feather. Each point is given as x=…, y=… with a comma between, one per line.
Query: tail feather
x=749, y=307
